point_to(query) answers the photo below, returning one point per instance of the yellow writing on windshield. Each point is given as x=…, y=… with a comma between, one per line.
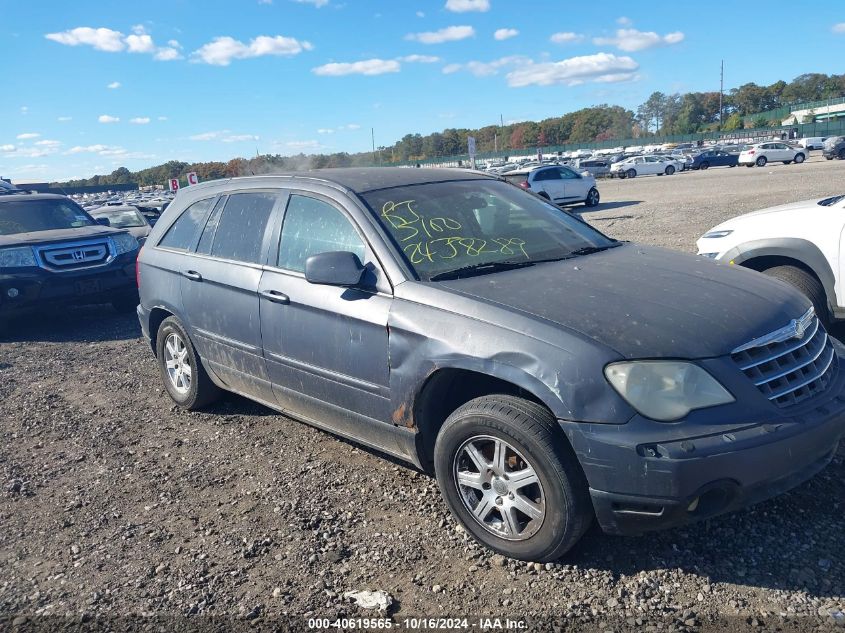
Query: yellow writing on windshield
x=424, y=241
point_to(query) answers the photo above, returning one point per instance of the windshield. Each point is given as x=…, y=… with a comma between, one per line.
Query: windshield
x=27, y=215
x=122, y=218
x=444, y=227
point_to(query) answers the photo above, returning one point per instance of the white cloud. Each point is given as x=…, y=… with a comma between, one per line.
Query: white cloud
x=325, y=130
x=7, y=148
x=222, y=50
x=162, y=118
x=601, y=67
x=420, y=14
x=462, y=6
x=316, y=3
x=265, y=1
x=838, y=28
x=27, y=135
x=224, y=136
x=24, y=110
x=300, y=146
x=486, y=69
x=353, y=126
x=114, y=85
x=101, y=150
x=48, y=143
x=419, y=59
x=101, y=39
x=64, y=119
x=448, y=34
x=365, y=67
x=30, y=152
x=566, y=37
x=140, y=120
x=623, y=21
x=107, y=118
x=631, y=40
x=505, y=34
x=111, y=41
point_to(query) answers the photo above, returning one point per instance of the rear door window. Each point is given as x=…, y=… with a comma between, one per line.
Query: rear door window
x=240, y=230
x=180, y=236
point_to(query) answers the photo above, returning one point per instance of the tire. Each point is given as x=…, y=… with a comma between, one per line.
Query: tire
x=787, y=162
x=631, y=173
x=704, y=165
x=807, y=284
x=126, y=303
x=799, y=158
x=529, y=434
x=200, y=390
x=761, y=161
x=829, y=157
x=670, y=169
x=593, y=198
x=622, y=175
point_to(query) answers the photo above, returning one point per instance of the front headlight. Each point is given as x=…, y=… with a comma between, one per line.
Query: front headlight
x=17, y=257
x=665, y=390
x=712, y=235
x=124, y=243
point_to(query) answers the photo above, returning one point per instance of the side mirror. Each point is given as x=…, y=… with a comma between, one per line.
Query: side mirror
x=334, y=268
x=103, y=221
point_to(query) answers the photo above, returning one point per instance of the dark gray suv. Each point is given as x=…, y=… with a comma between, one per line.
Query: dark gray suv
x=545, y=373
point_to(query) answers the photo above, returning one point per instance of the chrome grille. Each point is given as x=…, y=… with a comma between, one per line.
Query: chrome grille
x=792, y=364
x=79, y=255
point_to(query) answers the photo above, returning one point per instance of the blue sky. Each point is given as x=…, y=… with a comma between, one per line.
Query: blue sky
x=90, y=86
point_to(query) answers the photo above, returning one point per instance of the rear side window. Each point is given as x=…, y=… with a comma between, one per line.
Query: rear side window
x=240, y=229
x=547, y=174
x=311, y=227
x=210, y=229
x=181, y=235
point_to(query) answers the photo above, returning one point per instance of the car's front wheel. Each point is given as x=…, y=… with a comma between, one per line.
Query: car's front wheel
x=631, y=173
x=510, y=478
x=704, y=165
x=593, y=197
x=799, y=158
x=184, y=377
x=807, y=284
x=670, y=170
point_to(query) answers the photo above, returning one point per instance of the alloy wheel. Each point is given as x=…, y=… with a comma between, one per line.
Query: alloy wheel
x=178, y=363
x=499, y=488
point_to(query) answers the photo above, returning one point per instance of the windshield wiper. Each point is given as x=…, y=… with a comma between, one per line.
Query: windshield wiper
x=589, y=250
x=480, y=269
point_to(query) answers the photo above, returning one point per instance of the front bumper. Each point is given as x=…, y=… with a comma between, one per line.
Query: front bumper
x=35, y=288
x=640, y=481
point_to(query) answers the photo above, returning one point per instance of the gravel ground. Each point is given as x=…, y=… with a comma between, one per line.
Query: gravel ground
x=116, y=504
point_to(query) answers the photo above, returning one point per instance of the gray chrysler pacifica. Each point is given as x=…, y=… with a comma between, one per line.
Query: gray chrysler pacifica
x=545, y=373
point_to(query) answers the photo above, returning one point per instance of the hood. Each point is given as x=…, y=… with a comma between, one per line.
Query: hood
x=800, y=209
x=58, y=235
x=645, y=302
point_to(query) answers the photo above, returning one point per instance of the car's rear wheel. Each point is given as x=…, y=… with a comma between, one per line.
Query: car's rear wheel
x=631, y=173
x=670, y=169
x=593, y=197
x=799, y=158
x=761, y=161
x=704, y=165
x=806, y=284
x=509, y=477
x=184, y=377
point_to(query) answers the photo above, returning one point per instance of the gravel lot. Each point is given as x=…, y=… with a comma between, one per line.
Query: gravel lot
x=115, y=503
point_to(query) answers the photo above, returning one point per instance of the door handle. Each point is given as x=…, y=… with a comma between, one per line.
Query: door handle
x=192, y=275
x=275, y=296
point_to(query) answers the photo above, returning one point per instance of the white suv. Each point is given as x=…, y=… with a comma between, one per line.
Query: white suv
x=798, y=243
x=773, y=152
x=644, y=165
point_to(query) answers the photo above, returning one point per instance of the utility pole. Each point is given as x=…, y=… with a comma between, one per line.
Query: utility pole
x=373, y=136
x=721, y=92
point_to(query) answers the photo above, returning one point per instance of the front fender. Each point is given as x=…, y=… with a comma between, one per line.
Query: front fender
x=795, y=248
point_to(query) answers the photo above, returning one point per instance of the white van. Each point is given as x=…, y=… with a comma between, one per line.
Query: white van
x=812, y=142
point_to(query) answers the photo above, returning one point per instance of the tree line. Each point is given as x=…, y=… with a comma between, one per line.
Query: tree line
x=660, y=115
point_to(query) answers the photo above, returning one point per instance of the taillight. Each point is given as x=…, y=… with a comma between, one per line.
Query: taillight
x=525, y=184
x=138, y=268
x=751, y=152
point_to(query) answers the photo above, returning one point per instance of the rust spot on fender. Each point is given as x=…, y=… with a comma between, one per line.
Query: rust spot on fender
x=401, y=416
